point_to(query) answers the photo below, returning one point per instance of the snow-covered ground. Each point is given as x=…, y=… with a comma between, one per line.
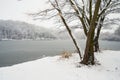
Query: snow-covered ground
x=56, y=68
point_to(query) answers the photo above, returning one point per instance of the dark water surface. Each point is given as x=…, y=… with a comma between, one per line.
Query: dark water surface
x=14, y=52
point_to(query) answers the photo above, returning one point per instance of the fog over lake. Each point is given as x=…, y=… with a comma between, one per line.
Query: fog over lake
x=18, y=51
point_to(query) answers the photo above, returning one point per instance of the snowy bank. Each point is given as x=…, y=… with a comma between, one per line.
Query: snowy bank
x=55, y=68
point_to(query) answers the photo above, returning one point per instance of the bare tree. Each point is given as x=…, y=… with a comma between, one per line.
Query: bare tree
x=91, y=15
x=106, y=7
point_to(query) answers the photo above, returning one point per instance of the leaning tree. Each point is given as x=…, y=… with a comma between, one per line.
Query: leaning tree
x=88, y=14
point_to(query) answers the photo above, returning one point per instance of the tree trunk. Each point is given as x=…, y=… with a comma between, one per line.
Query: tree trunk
x=96, y=45
x=89, y=50
x=96, y=42
x=67, y=27
x=89, y=53
x=70, y=33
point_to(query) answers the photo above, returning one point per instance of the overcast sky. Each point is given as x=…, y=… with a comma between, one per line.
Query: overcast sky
x=17, y=9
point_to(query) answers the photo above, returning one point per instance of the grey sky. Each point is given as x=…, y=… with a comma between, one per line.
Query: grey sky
x=17, y=9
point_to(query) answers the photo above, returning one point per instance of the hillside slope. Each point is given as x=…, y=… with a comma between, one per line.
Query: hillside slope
x=21, y=30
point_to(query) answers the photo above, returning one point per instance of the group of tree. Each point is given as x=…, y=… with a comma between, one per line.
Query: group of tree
x=21, y=30
x=90, y=15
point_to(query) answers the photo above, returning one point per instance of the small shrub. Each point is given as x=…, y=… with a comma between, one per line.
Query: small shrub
x=66, y=54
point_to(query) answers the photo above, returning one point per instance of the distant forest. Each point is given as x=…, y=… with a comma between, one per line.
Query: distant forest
x=21, y=30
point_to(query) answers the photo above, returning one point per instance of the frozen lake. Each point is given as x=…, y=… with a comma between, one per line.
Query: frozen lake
x=18, y=51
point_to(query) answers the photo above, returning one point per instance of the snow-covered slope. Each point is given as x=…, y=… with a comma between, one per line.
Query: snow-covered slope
x=56, y=68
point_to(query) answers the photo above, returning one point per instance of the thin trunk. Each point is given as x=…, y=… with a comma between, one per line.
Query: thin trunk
x=80, y=18
x=67, y=27
x=96, y=45
x=96, y=42
x=70, y=33
x=90, y=10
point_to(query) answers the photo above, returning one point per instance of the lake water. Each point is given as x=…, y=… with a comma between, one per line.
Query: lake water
x=14, y=52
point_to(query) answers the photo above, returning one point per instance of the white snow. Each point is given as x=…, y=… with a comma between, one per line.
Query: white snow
x=56, y=68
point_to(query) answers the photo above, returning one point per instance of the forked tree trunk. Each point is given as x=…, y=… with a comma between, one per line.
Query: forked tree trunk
x=89, y=50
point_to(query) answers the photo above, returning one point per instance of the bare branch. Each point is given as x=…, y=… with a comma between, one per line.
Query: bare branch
x=105, y=8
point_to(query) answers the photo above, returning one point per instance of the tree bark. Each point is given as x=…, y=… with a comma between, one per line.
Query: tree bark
x=96, y=45
x=89, y=50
